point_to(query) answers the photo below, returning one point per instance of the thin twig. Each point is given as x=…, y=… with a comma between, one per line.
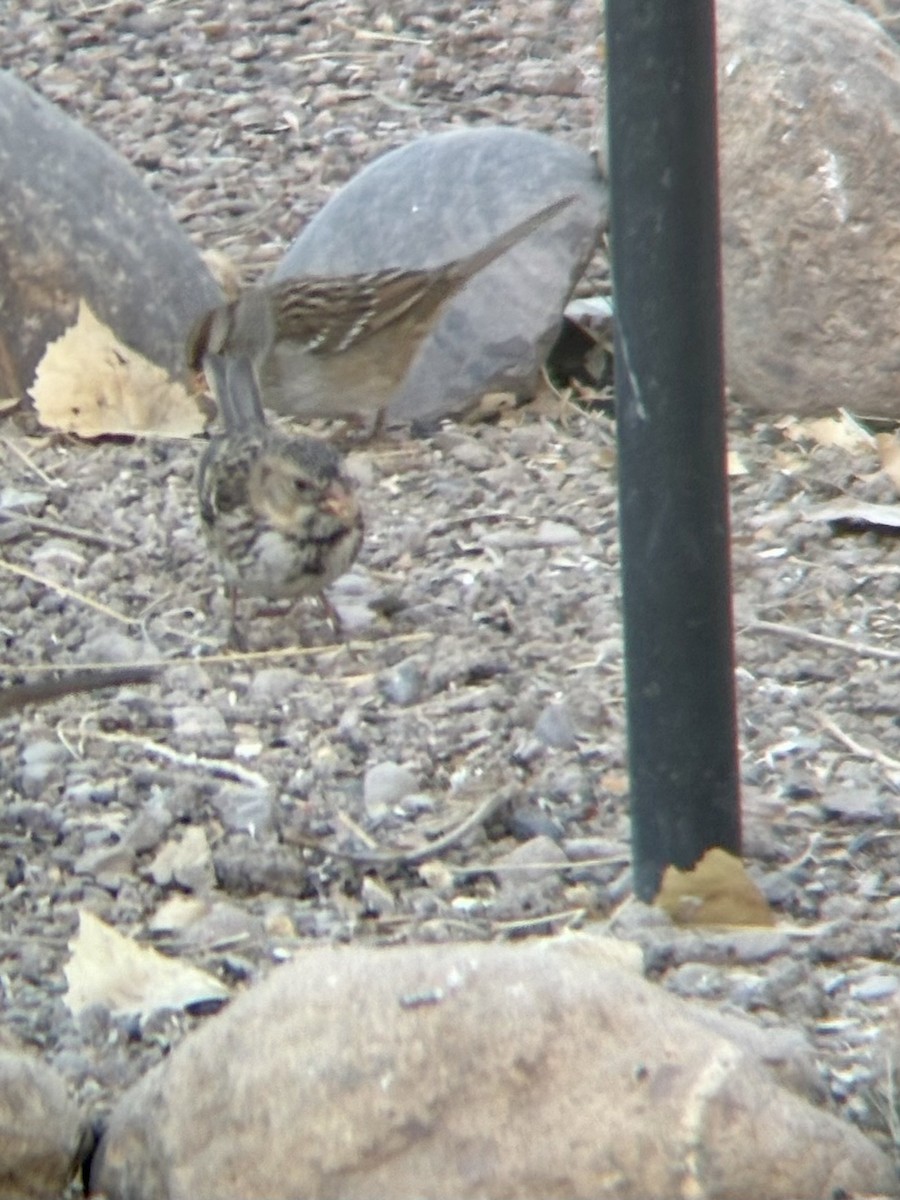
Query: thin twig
x=18, y=695
x=89, y=536
x=357, y=830
x=232, y=658
x=373, y=35
x=62, y=590
x=411, y=858
x=95, y=9
x=569, y=915
x=874, y=755
x=225, y=769
x=797, y=634
x=467, y=520
x=325, y=55
x=30, y=463
x=612, y=860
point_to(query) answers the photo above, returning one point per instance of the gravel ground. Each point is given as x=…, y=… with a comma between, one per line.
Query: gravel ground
x=481, y=676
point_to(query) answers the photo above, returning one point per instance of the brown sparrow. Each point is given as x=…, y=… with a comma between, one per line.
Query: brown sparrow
x=341, y=347
x=279, y=513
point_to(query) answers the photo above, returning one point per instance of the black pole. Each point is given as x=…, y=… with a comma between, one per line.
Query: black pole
x=673, y=498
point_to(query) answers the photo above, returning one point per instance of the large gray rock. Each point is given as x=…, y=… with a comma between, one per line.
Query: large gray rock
x=42, y=1132
x=445, y=196
x=809, y=131
x=77, y=221
x=541, y=1070
x=810, y=152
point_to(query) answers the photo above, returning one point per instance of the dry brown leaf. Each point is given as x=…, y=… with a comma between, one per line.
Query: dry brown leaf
x=109, y=969
x=889, y=456
x=90, y=383
x=718, y=891
x=843, y=430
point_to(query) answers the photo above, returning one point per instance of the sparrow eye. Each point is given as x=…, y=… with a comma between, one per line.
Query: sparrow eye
x=300, y=484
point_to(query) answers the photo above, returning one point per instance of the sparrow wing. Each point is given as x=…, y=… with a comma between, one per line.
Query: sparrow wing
x=328, y=316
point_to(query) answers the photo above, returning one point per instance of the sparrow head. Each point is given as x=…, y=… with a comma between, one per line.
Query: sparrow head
x=291, y=484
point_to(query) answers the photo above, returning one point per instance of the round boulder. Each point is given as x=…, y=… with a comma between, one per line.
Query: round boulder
x=809, y=110
x=76, y=221
x=43, y=1134
x=545, y=1069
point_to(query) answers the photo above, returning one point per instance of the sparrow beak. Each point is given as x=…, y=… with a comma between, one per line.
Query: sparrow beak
x=340, y=503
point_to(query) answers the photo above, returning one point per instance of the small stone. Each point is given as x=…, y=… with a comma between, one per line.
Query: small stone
x=84, y=793
x=852, y=805
x=149, y=826
x=875, y=987
x=44, y=753
x=554, y=727
x=353, y=616
x=41, y=760
x=528, y=751
x=527, y=822
x=437, y=876
x=530, y=877
x=377, y=900
x=13, y=497
x=871, y=885
x=198, y=721
x=416, y=804
x=580, y=848
x=187, y=862
x=106, y=864
x=556, y=533
x=222, y=923
x=385, y=785
x=696, y=979
x=271, y=685
x=114, y=647
x=403, y=685
x=245, y=51
x=245, y=809
x=471, y=454
x=94, y=1023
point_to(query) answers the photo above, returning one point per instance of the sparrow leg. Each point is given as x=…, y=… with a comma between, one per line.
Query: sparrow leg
x=378, y=426
x=332, y=615
x=236, y=638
